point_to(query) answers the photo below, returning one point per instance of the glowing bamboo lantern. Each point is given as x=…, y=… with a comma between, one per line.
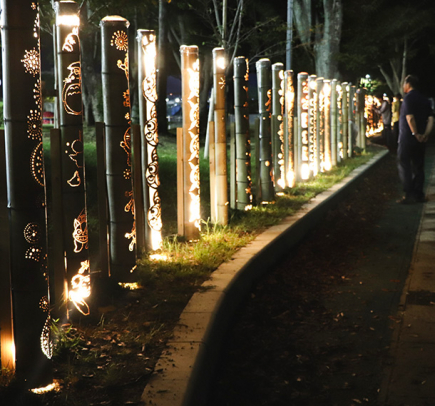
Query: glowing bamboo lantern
x=351, y=119
x=289, y=161
x=302, y=145
x=117, y=118
x=189, y=226
x=327, y=156
x=75, y=231
x=277, y=126
x=339, y=123
x=220, y=134
x=312, y=125
x=243, y=140
x=30, y=346
x=344, y=119
x=148, y=122
x=320, y=122
x=333, y=122
x=264, y=109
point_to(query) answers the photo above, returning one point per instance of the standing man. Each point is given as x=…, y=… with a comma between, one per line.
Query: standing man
x=415, y=125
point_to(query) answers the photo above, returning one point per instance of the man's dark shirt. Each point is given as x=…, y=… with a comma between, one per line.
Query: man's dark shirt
x=418, y=105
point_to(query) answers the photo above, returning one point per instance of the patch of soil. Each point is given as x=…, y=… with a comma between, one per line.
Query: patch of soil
x=316, y=330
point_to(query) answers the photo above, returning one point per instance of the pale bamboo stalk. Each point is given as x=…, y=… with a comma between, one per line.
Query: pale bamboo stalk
x=344, y=119
x=303, y=167
x=320, y=134
x=289, y=161
x=334, y=122
x=219, y=85
x=312, y=125
x=277, y=126
x=327, y=157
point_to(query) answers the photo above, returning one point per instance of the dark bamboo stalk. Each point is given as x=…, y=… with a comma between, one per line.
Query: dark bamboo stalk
x=26, y=192
x=243, y=139
x=265, y=108
x=117, y=118
x=344, y=119
x=75, y=231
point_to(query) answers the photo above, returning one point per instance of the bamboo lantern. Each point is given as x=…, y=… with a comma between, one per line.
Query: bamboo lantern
x=243, y=140
x=277, y=126
x=117, y=118
x=344, y=119
x=334, y=122
x=289, y=100
x=320, y=123
x=362, y=117
x=220, y=136
x=312, y=125
x=303, y=172
x=190, y=226
x=75, y=231
x=264, y=107
x=339, y=120
x=148, y=121
x=327, y=156
x=351, y=118
x=30, y=347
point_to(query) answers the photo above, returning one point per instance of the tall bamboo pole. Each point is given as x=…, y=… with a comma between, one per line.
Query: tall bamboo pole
x=117, y=118
x=361, y=96
x=344, y=119
x=264, y=106
x=26, y=194
x=278, y=125
x=211, y=157
x=221, y=183
x=243, y=140
x=303, y=169
x=312, y=125
x=320, y=119
x=351, y=119
x=148, y=121
x=334, y=122
x=190, y=142
x=75, y=231
x=289, y=153
x=7, y=351
x=327, y=156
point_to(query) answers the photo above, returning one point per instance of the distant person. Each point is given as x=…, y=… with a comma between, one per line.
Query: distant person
x=415, y=125
x=395, y=110
x=385, y=111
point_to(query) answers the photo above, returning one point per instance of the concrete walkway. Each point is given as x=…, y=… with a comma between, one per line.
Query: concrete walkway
x=183, y=372
x=410, y=380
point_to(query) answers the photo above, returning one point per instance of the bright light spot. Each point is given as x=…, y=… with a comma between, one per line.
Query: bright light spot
x=281, y=183
x=327, y=166
x=280, y=194
x=291, y=178
x=130, y=286
x=177, y=100
x=53, y=386
x=68, y=20
x=159, y=257
x=248, y=207
x=305, y=171
x=221, y=63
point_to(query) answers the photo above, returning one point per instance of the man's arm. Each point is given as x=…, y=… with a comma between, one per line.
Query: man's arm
x=412, y=124
x=428, y=129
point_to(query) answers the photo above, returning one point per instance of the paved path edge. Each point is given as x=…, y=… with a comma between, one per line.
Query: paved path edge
x=184, y=371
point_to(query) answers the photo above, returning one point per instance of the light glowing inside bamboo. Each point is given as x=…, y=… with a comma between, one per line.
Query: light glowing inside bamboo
x=149, y=90
x=68, y=20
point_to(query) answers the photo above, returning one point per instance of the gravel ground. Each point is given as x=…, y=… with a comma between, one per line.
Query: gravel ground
x=316, y=330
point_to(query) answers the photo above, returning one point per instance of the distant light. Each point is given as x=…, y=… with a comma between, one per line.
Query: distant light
x=177, y=100
x=45, y=389
x=221, y=63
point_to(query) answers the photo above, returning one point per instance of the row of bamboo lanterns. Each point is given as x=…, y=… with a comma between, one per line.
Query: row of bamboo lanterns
x=296, y=140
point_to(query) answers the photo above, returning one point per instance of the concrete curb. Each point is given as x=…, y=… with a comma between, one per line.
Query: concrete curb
x=184, y=371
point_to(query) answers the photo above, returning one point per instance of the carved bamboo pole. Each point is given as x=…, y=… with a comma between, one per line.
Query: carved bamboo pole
x=148, y=121
x=339, y=123
x=303, y=169
x=289, y=140
x=320, y=119
x=264, y=107
x=117, y=118
x=312, y=125
x=30, y=347
x=243, y=140
x=190, y=226
x=278, y=126
x=351, y=119
x=220, y=134
x=344, y=119
x=75, y=231
x=334, y=122
x=327, y=156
